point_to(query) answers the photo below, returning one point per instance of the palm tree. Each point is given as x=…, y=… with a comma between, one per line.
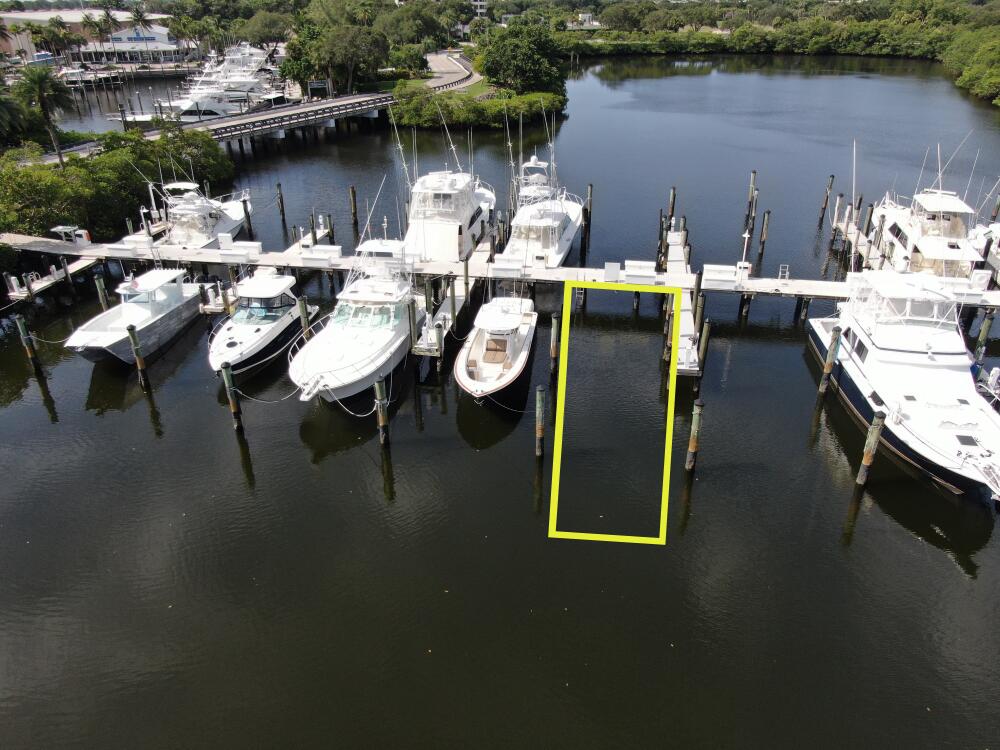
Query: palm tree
x=110, y=25
x=38, y=87
x=139, y=19
x=11, y=115
x=15, y=30
x=95, y=28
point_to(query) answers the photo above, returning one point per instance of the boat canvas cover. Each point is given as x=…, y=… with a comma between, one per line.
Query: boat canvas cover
x=942, y=248
x=503, y=315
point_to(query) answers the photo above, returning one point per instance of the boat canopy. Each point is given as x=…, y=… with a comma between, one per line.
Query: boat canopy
x=943, y=248
x=502, y=315
x=265, y=286
x=888, y=296
x=941, y=201
x=181, y=186
x=152, y=280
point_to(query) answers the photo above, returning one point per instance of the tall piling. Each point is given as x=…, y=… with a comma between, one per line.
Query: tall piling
x=303, y=303
x=554, y=344
x=539, y=421
x=232, y=396
x=140, y=361
x=984, y=334
x=281, y=204
x=692, y=451
x=246, y=218
x=102, y=293
x=763, y=236
x=826, y=201
x=871, y=445
x=27, y=341
x=354, y=205
x=382, y=412
x=69, y=279
x=831, y=359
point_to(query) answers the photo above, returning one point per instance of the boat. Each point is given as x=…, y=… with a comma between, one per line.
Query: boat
x=536, y=182
x=451, y=212
x=195, y=220
x=365, y=337
x=264, y=324
x=496, y=352
x=542, y=232
x=902, y=353
x=930, y=234
x=158, y=303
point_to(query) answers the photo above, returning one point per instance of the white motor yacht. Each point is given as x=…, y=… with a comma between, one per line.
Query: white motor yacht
x=362, y=341
x=497, y=350
x=264, y=324
x=928, y=235
x=542, y=232
x=194, y=220
x=450, y=214
x=901, y=352
x=158, y=303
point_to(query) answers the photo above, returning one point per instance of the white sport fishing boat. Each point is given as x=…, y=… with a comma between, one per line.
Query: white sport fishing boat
x=158, y=303
x=496, y=352
x=542, y=233
x=901, y=352
x=363, y=340
x=264, y=324
x=930, y=234
x=193, y=220
x=450, y=214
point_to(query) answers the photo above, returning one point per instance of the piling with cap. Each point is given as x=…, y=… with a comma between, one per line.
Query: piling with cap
x=232, y=396
x=102, y=293
x=692, y=452
x=871, y=445
x=303, y=303
x=281, y=204
x=671, y=204
x=554, y=344
x=539, y=421
x=831, y=359
x=411, y=310
x=984, y=334
x=27, y=341
x=763, y=235
x=69, y=279
x=382, y=411
x=246, y=217
x=354, y=205
x=140, y=361
x=826, y=200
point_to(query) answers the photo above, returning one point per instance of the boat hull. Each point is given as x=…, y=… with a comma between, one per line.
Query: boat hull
x=369, y=379
x=482, y=389
x=859, y=407
x=256, y=360
x=153, y=336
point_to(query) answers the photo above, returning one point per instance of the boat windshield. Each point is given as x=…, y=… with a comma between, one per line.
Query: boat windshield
x=257, y=310
x=365, y=316
x=531, y=233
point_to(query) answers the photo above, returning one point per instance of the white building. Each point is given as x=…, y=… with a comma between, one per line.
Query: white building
x=20, y=44
x=153, y=44
x=479, y=6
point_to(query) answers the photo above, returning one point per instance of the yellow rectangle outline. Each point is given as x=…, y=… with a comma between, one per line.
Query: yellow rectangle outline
x=555, y=533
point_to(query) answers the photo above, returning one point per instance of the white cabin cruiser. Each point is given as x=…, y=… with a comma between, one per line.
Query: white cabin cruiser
x=497, y=351
x=542, y=233
x=901, y=352
x=450, y=214
x=362, y=341
x=930, y=235
x=197, y=221
x=158, y=303
x=264, y=324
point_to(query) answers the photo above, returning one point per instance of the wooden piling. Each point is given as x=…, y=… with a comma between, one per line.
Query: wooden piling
x=102, y=294
x=671, y=205
x=539, y=421
x=312, y=229
x=706, y=329
x=866, y=223
x=831, y=360
x=804, y=312
x=329, y=228
x=354, y=205
x=382, y=412
x=635, y=302
x=826, y=201
x=28, y=286
x=411, y=310
x=69, y=279
x=984, y=334
x=27, y=341
x=281, y=204
x=554, y=345
x=836, y=218
x=303, y=304
x=871, y=445
x=699, y=311
x=232, y=396
x=763, y=234
x=454, y=302
x=246, y=218
x=465, y=277
x=668, y=333
x=857, y=205
x=140, y=361
x=692, y=452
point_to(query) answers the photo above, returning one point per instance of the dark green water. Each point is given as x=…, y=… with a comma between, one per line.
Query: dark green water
x=167, y=585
